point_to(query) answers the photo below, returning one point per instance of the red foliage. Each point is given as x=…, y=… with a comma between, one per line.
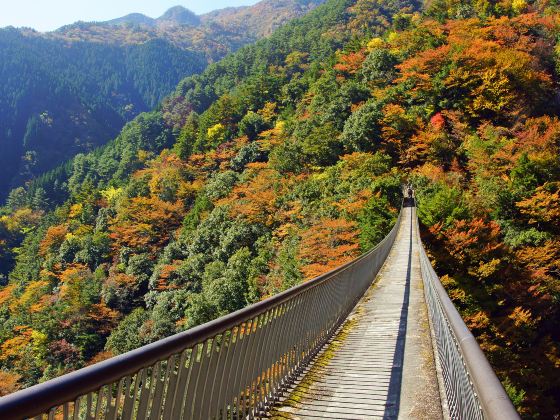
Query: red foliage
x=438, y=121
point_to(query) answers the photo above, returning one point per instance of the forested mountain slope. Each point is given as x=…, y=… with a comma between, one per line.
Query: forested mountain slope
x=72, y=90
x=285, y=160
x=59, y=99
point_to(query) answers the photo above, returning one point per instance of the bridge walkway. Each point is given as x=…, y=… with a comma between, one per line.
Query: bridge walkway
x=380, y=364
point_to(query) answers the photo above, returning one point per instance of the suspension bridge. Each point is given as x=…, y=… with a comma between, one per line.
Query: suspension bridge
x=377, y=338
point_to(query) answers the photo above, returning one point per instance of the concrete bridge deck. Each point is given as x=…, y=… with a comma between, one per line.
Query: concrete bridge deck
x=380, y=365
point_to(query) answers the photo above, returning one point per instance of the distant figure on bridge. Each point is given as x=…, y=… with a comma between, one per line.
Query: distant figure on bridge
x=409, y=198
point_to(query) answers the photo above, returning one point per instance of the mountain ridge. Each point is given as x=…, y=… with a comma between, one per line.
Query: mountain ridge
x=177, y=15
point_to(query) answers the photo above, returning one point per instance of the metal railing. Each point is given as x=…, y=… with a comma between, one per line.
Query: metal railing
x=230, y=368
x=471, y=388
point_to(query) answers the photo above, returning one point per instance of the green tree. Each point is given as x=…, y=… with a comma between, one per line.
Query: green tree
x=362, y=131
x=128, y=335
x=251, y=125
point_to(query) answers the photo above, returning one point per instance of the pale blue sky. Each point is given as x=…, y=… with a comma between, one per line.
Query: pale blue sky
x=47, y=15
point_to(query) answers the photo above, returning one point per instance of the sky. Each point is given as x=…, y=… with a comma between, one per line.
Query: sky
x=47, y=15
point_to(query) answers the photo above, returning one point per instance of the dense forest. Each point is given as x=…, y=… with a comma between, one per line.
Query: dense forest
x=72, y=90
x=285, y=160
x=59, y=99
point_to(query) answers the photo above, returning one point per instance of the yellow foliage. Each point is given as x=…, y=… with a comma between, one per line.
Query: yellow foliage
x=38, y=341
x=144, y=156
x=519, y=6
x=112, y=194
x=485, y=270
x=273, y=137
x=20, y=219
x=393, y=36
x=375, y=43
x=76, y=210
x=216, y=133
x=522, y=317
x=268, y=111
x=83, y=230
x=494, y=92
x=33, y=292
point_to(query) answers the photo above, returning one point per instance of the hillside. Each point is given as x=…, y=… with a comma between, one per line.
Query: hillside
x=59, y=99
x=285, y=160
x=72, y=90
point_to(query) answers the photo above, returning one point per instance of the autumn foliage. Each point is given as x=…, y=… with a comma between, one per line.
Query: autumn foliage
x=286, y=161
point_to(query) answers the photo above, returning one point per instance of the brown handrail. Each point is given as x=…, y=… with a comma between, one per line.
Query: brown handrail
x=461, y=356
x=63, y=391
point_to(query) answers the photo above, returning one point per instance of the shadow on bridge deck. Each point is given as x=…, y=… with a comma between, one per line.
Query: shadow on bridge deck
x=394, y=393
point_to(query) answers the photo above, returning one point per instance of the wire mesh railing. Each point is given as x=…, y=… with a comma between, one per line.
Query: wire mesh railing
x=471, y=388
x=231, y=368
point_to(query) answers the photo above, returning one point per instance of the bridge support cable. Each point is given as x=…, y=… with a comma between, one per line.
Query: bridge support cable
x=231, y=368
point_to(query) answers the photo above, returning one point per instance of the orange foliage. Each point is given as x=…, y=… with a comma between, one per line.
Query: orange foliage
x=53, y=238
x=104, y=317
x=72, y=279
x=353, y=205
x=121, y=279
x=256, y=198
x=473, y=241
x=497, y=68
x=522, y=317
x=6, y=294
x=477, y=321
x=99, y=357
x=8, y=383
x=328, y=244
x=15, y=347
x=422, y=66
x=542, y=264
x=164, y=276
x=543, y=205
x=432, y=172
x=32, y=298
x=350, y=63
x=396, y=129
x=145, y=223
x=216, y=159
